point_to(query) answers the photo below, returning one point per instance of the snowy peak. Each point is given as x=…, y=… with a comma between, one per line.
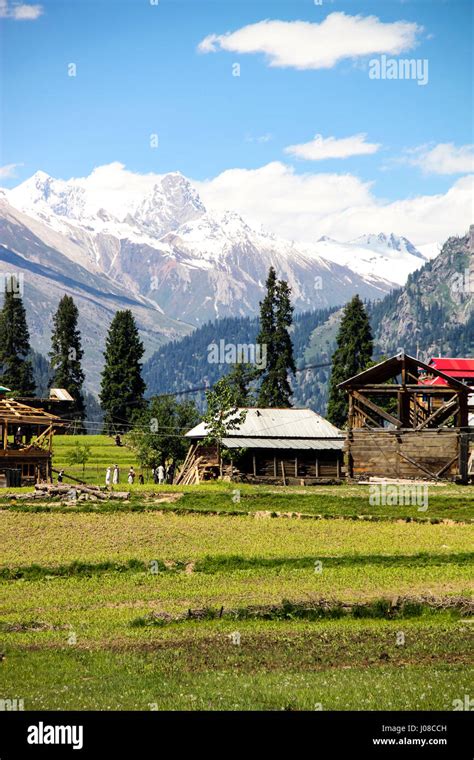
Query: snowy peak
x=106, y=220
x=42, y=194
x=384, y=243
x=172, y=202
x=389, y=257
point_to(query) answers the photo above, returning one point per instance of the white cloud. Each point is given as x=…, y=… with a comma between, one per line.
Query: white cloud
x=20, y=11
x=303, y=207
x=444, y=158
x=306, y=45
x=115, y=187
x=8, y=171
x=321, y=148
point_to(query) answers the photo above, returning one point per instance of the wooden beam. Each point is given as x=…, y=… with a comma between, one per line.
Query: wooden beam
x=444, y=408
x=418, y=465
x=410, y=387
x=463, y=457
x=446, y=466
x=366, y=415
x=463, y=409
x=377, y=409
x=350, y=420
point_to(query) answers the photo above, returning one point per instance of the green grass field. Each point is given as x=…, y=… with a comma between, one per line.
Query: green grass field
x=215, y=602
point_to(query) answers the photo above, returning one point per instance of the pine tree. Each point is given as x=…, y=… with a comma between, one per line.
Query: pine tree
x=122, y=386
x=16, y=367
x=352, y=355
x=66, y=355
x=276, y=317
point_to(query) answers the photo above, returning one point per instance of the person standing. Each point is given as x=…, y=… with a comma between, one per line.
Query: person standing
x=116, y=475
x=154, y=472
x=131, y=476
x=60, y=476
x=108, y=476
x=141, y=479
x=161, y=474
x=170, y=473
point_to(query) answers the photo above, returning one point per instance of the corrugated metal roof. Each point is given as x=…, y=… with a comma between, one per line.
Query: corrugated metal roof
x=454, y=367
x=324, y=444
x=278, y=423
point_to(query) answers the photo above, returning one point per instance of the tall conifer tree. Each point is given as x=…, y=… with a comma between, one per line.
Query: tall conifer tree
x=352, y=355
x=276, y=317
x=15, y=366
x=122, y=387
x=66, y=355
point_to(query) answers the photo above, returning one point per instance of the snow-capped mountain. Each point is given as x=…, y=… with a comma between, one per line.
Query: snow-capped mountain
x=387, y=256
x=164, y=245
x=387, y=243
x=172, y=259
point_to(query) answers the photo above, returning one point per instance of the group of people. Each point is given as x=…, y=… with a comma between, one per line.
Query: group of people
x=113, y=476
x=163, y=475
x=159, y=473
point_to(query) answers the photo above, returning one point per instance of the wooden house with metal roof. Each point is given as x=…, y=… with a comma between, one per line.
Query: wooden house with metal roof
x=289, y=446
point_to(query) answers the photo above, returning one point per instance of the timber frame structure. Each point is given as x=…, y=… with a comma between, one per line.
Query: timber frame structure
x=26, y=436
x=400, y=427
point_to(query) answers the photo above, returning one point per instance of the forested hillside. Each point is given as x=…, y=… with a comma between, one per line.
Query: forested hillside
x=183, y=365
x=432, y=315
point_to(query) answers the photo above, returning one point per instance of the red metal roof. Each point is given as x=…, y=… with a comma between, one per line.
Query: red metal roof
x=453, y=367
x=460, y=368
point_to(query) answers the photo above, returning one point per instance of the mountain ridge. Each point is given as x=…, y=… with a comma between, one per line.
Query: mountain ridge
x=174, y=262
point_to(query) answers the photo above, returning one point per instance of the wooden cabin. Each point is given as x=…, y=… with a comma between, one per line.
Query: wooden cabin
x=26, y=435
x=280, y=446
x=400, y=426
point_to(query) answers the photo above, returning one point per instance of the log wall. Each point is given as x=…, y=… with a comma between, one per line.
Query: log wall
x=381, y=453
x=267, y=463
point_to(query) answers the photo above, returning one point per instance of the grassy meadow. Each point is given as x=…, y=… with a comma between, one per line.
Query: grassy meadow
x=226, y=596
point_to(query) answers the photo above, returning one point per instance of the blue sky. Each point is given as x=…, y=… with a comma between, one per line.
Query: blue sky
x=139, y=72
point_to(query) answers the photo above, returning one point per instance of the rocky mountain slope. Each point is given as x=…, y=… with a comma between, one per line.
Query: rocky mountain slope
x=433, y=313
x=46, y=274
